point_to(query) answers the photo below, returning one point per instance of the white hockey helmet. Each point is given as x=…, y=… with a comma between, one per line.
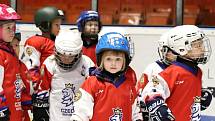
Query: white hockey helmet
x=68, y=46
x=181, y=39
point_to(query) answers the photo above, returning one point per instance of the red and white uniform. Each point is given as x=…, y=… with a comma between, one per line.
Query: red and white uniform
x=99, y=100
x=180, y=86
x=12, y=80
x=37, y=49
x=63, y=85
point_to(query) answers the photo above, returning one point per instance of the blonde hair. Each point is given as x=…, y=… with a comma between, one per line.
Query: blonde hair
x=112, y=52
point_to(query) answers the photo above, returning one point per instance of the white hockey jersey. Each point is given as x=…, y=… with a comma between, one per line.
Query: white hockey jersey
x=63, y=86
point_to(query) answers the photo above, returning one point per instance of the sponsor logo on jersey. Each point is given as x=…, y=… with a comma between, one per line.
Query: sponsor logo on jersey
x=117, y=115
x=195, y=109
x=179, y=82
x=100, y=91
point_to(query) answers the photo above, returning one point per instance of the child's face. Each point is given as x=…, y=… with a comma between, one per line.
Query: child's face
x=91, y=27
x=15, y=45
x=113, y=62
x=55, y=28
x=8, y=31
x=197, y=50
x=66, y=59
x=170, y=56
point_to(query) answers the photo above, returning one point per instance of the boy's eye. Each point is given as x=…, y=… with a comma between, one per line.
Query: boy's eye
x=118, y=59
x=108, y=59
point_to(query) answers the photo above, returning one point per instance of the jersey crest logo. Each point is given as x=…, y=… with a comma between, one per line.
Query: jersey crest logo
x=195, y=109
x=117, y=115
x=155, y=81
x=29, y=51
x=78, y=95
x=68, y=94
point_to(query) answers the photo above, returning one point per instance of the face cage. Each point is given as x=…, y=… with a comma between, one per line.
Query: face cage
x=131, y=46
x=162, y=51
x=70, y=66
x=207, y=52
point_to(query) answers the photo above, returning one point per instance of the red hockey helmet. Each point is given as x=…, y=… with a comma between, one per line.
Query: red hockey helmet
x=8, y=13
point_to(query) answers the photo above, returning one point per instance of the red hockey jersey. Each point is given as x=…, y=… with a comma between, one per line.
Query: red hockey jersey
x=180, y=86
x=12, y=80
x=37, y=49
x=185, y=91
x=103, y=101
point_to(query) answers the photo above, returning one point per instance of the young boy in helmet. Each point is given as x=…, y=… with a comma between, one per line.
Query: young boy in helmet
x=166, y=58
x=12, y=71
x=64, y=72
x=107, y=94
x=37, y=49
x=89, y=24
x=178, y=87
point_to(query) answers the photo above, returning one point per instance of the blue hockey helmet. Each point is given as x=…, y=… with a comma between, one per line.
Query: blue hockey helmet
x=88, y=16
x=113, y=41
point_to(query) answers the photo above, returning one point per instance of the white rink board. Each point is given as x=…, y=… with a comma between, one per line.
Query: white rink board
x=145, y=41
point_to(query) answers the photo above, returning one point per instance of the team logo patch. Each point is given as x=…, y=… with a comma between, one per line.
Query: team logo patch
x=68, y=99
x=117, y=115
x=29, y=51
x=196, y=109
x=155, y=81
x=68, y=94
x=78, y=95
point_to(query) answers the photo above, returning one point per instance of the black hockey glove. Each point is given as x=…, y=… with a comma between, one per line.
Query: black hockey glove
x=206, y=98
x=40, y=114
x=40, y=108
x=4, y=114
x=40, y=100
x=158, y=110
x=144, y=111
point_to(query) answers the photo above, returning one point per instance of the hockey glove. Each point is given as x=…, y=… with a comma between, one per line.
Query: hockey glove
x=40, y=114
x=40, y=106
x=144, y=111
x=158, y=110
x=206, y=98
x=41, y=99
x=4, y=114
